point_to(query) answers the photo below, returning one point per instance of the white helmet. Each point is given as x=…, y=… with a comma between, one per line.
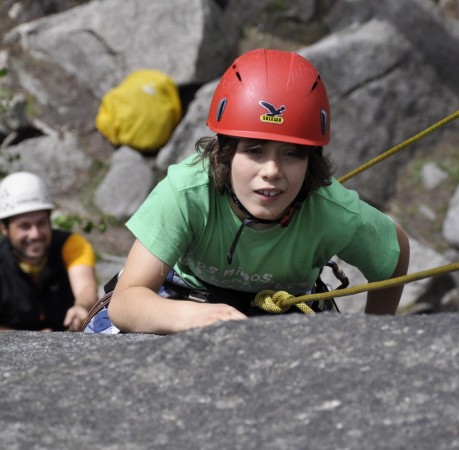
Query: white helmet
x=23, y=192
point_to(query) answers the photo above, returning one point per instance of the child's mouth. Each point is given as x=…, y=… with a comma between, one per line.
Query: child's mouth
x=268, y=193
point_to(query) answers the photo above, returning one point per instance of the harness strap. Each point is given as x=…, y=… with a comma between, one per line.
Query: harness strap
x=246, y=302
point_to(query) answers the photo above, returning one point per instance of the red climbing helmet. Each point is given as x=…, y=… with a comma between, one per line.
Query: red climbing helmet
x=273, y=95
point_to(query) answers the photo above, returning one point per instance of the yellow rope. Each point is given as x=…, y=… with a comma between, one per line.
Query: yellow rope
x=285, y=300
x=400, y=146
x=275, y=302
x=280, y=301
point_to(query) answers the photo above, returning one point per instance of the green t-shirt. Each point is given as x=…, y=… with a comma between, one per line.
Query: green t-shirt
x=187, y=224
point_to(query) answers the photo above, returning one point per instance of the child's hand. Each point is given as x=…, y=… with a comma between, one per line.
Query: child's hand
x=198, y=315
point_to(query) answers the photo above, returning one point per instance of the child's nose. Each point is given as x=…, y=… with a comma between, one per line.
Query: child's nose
x=271, y=168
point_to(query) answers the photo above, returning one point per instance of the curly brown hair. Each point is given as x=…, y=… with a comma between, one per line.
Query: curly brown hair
x=220, y=149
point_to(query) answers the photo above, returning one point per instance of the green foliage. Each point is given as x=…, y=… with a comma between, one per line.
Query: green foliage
x=6, y=95
x=72, y=222
x=277, y=5
x=9, y=158
x=452, y=167
x=31, y=106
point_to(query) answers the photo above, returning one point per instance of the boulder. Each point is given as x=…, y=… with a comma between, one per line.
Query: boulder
x=92, y=47
x=451, y=223
x=379, y=107
x=283, y=382
x=418, y=296
x=126, y=185
x=57, y=158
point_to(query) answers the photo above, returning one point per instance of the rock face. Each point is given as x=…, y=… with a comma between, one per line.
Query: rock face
x=116, y=198
x=289, y=382
x=371, y=106
x=451, y=224
x=94, y=46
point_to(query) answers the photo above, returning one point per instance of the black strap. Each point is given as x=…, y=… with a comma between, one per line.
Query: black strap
x=110, y=285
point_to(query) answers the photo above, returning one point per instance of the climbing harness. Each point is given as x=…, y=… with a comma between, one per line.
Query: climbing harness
x=177, y=288
x=280, y=301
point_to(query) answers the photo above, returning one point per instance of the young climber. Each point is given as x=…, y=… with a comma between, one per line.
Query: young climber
x=255, y=208
x=47, y=276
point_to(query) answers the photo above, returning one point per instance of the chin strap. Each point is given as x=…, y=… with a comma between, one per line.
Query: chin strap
x=284, y=221
x=245, y=222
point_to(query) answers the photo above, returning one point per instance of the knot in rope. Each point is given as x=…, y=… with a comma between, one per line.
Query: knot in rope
x=274, y=302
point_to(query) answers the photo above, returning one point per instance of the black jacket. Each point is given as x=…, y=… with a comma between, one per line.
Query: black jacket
x=22, y=303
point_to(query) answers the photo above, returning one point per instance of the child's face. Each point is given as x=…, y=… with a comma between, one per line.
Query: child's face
x=266, y=176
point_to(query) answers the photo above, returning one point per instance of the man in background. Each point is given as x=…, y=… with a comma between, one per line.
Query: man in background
x=47, y=276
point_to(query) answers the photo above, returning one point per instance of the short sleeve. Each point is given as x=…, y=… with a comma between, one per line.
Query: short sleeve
x=78, y=251
x=374, y=247
x=161, y=223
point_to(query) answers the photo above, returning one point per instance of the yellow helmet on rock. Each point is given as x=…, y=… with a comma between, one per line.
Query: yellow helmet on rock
x=23, y=192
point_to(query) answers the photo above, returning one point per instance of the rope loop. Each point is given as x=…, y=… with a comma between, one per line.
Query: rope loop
x=274, y=302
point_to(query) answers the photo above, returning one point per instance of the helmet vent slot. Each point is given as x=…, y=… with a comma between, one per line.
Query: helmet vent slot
x=234, y=67
x=221, y=108
x=323, y=121
x=315, y=83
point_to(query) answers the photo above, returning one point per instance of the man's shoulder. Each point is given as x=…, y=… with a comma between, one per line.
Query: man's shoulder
x=60, y=235
x=59, y=238
x=5, y=248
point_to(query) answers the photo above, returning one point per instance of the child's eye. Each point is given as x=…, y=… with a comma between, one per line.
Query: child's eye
x=252, y=150
x=294, y=153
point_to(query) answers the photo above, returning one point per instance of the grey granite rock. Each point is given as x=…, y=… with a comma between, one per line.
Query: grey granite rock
x=288, y=382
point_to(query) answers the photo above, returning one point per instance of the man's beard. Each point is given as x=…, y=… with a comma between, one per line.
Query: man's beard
x=23, y=253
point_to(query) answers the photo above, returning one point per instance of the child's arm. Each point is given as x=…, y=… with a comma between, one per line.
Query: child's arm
x=385, y=301
x=136, y=306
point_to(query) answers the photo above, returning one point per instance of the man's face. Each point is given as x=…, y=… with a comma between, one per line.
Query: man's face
x=30, y=235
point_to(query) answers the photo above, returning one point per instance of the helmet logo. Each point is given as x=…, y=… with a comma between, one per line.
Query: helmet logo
x=274, y=115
